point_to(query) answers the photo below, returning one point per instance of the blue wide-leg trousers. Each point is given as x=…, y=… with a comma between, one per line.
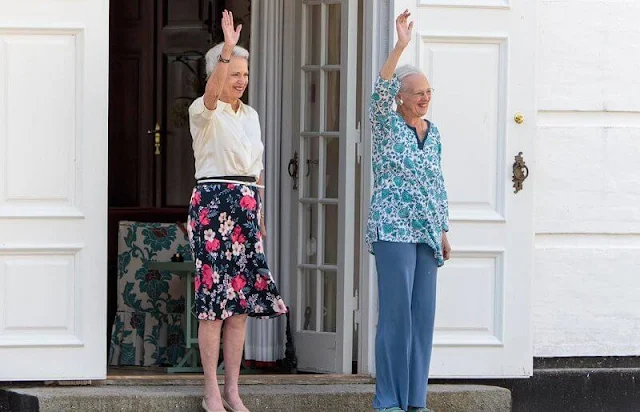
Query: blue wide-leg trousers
x=407, y=274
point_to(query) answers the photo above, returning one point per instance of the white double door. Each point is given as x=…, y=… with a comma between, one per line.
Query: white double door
x=53, y=161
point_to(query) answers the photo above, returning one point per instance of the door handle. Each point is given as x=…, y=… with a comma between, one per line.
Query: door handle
x=520, y=173
x=156, y=139
x=518, y=118
x=293, y=170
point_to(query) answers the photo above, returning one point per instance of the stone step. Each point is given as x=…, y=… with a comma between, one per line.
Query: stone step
x=290, y=397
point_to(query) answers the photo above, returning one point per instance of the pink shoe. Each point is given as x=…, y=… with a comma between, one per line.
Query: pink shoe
x=205, y=407
x=228, y=407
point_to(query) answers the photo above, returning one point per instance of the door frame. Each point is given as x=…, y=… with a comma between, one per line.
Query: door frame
x=286, y=244
x=376, y=20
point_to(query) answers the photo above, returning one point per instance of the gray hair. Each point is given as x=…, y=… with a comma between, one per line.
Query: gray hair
x=214, y=53
x=406, y=70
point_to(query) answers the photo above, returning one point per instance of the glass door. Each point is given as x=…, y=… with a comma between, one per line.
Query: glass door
x=325, y=183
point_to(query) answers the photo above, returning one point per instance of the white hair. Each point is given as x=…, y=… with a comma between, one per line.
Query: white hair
x=406, y=70
x=214, y=53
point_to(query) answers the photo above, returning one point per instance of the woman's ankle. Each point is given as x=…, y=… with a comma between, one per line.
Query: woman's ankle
x=231, y=393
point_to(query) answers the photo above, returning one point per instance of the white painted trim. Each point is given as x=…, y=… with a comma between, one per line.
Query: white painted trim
x=483, y=4
x=376, y=47
x=348, y=130
x=64, y=341
x=27, y=211
x=366, y=327
x=44, y=249
x=289, y=129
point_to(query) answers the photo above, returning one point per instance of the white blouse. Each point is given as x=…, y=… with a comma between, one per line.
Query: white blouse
x=225, y=143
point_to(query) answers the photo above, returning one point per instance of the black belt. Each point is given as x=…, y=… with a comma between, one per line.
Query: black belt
x=248, y=179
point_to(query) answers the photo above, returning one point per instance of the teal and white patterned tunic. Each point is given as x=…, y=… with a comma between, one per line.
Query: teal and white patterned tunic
x=409, y=202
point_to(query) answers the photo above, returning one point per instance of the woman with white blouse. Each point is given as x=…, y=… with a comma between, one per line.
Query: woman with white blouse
x=226, y=223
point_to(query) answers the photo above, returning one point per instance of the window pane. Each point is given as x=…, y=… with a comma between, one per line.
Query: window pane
x=311, y=101
x=329, y=301
x=333, y=33
x=309, y=167
x=330, y=249
x=332, y=104
x=312, y=34
x=309, y=291
x=331, y=167
x=310, y=235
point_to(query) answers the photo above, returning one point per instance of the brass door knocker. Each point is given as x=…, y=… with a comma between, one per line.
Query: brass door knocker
x=520, y=173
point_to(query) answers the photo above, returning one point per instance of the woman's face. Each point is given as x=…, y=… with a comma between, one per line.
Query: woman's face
x=237, y=78
x=416, y=95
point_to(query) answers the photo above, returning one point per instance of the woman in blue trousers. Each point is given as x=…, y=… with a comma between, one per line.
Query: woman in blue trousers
x=406, y=229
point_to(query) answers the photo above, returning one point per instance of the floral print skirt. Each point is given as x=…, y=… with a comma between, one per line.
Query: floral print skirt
x=232, y=277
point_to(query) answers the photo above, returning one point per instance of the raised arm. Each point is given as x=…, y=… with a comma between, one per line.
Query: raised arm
x=387, y=86
x=219, y=75
x=404, y=29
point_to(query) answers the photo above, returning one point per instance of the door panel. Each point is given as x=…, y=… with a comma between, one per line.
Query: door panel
x=131, y=92
x=479, y=59
x=185, y=81
x=323, y=268
x=53, y=189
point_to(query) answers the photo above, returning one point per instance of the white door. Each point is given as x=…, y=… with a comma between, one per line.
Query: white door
x=53, y=189
x=479, y=57
x=322, y=225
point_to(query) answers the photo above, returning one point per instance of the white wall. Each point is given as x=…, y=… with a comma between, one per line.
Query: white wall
x=586, y=289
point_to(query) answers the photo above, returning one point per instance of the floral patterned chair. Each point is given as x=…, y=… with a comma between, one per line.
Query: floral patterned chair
x=148, y=326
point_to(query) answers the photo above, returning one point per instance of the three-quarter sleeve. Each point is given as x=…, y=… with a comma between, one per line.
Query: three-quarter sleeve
x=445, y=212
x=443, y=196
x=381, y=106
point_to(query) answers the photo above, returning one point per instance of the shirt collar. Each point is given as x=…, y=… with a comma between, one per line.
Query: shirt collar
x=223, y=106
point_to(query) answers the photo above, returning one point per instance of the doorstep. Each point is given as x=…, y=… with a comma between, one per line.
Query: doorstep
x=277, y=395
